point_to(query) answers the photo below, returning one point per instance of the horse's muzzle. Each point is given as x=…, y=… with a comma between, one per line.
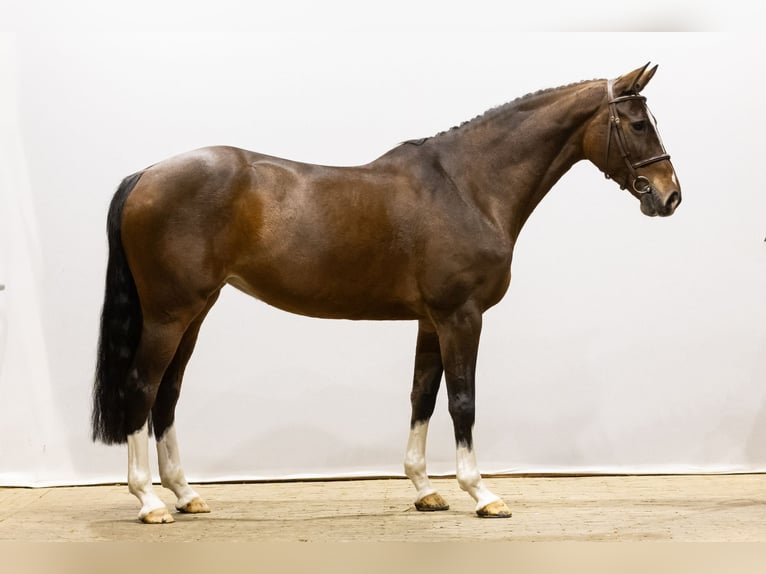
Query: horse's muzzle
x=654, y=204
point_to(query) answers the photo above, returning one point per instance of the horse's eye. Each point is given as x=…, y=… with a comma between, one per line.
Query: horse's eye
x=638, y=126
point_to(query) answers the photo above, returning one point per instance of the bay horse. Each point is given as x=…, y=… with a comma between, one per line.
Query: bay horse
x=425, y=232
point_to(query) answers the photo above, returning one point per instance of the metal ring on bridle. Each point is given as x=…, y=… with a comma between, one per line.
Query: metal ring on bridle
x=642, y=185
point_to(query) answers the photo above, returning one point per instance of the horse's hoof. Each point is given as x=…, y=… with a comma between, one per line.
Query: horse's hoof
x=157, y=516
x=194, y=506
x=496, y=509
x=431, y=502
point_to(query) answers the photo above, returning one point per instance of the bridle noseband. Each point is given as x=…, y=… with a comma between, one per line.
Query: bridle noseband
x=640, y=183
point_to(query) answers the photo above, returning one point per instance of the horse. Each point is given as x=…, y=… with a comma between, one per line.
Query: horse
x=424, y=233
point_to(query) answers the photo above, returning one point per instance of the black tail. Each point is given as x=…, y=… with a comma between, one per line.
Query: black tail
x=121, y=323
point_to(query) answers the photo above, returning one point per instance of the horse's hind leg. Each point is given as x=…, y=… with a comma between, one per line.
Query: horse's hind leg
x=425, y=386
x=163, y=417
x=165, y=322
x=160, y=337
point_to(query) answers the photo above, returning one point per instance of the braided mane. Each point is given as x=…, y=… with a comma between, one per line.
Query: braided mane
x=497, y=109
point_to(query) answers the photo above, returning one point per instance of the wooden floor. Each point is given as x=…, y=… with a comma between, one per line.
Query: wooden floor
x=729, y=508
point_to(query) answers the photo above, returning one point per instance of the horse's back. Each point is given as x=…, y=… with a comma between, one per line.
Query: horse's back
x=365, y=242
x=329, y=241
x=318, y=240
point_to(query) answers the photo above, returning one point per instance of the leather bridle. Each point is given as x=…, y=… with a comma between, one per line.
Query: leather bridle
x=640, y=183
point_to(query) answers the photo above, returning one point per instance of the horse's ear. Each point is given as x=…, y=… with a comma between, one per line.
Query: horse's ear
x=634, y=82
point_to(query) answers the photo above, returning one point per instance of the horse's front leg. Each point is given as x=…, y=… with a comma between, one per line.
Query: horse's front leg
x=459, y=335
x=425, y=386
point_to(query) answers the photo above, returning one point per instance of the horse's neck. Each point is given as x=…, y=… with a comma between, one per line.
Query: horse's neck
x=511, y=157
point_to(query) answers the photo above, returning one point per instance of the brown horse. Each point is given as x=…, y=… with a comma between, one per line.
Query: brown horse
x=426, y=233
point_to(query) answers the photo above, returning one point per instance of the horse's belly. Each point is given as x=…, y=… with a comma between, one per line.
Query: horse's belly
x=328, y=294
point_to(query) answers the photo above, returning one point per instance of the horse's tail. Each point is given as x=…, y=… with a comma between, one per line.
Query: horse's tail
x=121, y=323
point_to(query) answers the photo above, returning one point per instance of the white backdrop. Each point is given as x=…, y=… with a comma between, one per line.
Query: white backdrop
x=625, y=344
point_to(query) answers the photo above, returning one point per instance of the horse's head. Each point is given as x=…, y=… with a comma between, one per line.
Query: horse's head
x=623, y=141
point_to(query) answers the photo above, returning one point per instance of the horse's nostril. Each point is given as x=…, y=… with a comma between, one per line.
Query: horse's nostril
x=673, y=200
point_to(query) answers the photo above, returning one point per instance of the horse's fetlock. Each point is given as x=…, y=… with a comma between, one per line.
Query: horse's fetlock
x=414, y=467
x=468, y=481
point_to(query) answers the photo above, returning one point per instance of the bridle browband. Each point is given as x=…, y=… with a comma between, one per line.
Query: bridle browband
x=640, y=183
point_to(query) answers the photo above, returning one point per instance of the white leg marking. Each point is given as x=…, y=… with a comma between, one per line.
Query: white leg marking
x=415, y=460
x=469, y=478
x=139, y=475
x=171, y=473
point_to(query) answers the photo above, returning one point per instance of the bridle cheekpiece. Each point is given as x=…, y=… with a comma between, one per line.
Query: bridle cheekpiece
x=640, y=183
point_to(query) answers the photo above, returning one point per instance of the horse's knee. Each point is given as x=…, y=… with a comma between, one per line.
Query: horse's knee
x=462, y=407
x=463, y=413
